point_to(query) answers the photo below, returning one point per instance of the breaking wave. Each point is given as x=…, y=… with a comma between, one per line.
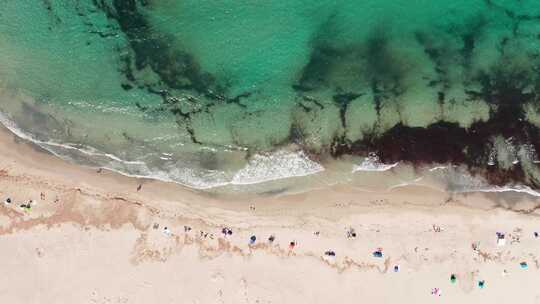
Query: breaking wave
x=278, y=165
x=260, y=168
x=373, y=163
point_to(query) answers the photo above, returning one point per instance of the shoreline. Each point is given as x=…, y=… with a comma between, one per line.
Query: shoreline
x=94, y=237
x=277, y=185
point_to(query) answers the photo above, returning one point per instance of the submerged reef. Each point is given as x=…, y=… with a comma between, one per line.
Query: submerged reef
x=508, y=84
x=464, y=90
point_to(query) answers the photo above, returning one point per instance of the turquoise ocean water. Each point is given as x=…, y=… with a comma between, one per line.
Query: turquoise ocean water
x=214, y=93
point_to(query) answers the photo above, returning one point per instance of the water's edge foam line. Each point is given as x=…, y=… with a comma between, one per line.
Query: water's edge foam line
x=10, y=125
x=373, y=166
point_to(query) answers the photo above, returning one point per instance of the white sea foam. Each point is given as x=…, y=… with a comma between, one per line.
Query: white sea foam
x=137, y=169
x=261, y=168
x=460, y=181
x=515, y=188
x=277, y=165
x=406, y=184
x=48, y=145
x=373, y=163
x=438, y=168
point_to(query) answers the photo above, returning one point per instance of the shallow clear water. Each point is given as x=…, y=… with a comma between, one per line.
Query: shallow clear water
x=211, y=93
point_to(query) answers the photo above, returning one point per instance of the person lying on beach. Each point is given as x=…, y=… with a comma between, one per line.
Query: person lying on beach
x=26, y=207
x=351, y=233
x=330, y=253
x=166, y=231
x=226, y=231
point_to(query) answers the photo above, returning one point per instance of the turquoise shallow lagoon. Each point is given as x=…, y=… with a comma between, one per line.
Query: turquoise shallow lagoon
x=212, y=93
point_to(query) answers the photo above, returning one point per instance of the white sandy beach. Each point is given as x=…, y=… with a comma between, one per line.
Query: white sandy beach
x=91, y=237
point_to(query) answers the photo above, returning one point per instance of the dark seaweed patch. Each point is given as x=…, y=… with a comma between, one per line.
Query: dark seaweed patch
x=443, y=142
x=438, y=55
x=506, y=88
x=52, y=15
x=237, y=99
x=296, y=134
x=380, y=60
x=469, y=34
x=314, y=74
x=176, y=68
x=377, y=97
x=342, y=101
x=380, y=70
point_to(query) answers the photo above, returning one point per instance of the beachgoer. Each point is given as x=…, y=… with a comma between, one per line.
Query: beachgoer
x=292, y=244
x=7, y=201
x=166, y=230
x=271, y=238
x=535, y=234
x=226, y=231
x=481, y=284
x=330, y=253
x=378, y=253
x=139, y=187
x=453, y=278
x=351, y=233
x=396, y=268
x=501, y=240
x=252, y=240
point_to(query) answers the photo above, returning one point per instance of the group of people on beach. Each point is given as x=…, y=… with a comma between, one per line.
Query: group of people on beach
x=501, y=240
x=25, y=206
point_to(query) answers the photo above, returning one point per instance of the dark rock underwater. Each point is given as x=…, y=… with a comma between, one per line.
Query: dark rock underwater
x=461, y=64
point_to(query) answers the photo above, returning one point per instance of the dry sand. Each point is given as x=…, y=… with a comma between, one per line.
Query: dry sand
x=91, y=237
